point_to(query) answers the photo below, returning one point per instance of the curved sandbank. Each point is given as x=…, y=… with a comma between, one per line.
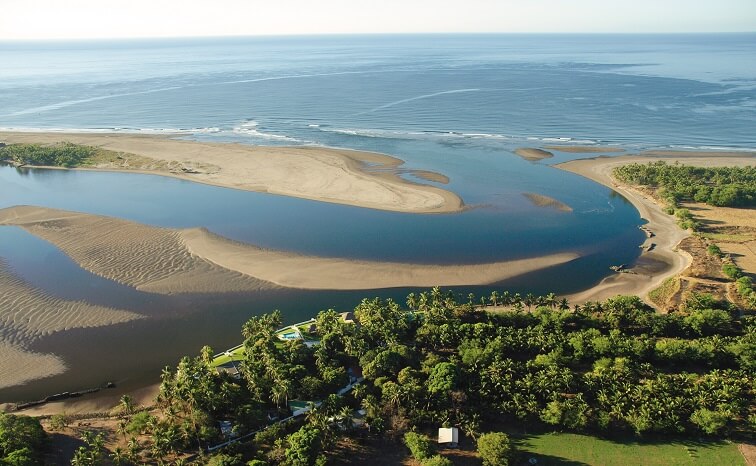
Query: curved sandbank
x=340, y=176
x=533, y=154
x=27, y=314
x=163, y=260
x=665, y=260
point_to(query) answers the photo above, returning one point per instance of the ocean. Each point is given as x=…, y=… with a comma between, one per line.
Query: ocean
x=455, y=104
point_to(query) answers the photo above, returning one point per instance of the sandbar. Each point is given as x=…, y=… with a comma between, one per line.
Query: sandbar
x=545, y=201
x=341, y=176
x=665, y=260
x=585, y=149
x=194, y=260
x=533, y=154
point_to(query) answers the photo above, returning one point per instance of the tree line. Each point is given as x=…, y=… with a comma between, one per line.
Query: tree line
x=63, y=154
x=608, y=368
x=717, y=186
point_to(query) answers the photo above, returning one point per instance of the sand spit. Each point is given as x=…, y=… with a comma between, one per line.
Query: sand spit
x=194, y=260
x=665, y=260
x=545, y=201
x=585, y=149
x=339, y=176
x=27, y=313
x=147, y=258
x=533, y=154
x=308, y=272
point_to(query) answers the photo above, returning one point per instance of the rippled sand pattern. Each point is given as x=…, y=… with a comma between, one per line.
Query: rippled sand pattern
x=147, y=258
x=27, y=314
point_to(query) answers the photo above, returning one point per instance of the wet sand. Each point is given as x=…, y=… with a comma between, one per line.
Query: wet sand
x=545, y=201
x=532, y=154
x=27, y=314
x=340, y=176
x=665, y=260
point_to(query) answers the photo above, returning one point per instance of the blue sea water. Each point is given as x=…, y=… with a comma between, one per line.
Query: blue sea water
x=455, y=104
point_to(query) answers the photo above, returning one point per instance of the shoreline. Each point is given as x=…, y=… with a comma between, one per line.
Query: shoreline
x=341, y=176
x=665, y=260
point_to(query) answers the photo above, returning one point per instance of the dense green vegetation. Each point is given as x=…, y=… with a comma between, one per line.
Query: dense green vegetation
x=22, y=440
x=57, y=155
x=717, y=186
x=615, y=368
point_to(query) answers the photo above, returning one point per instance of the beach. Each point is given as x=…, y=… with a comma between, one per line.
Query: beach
x=665, y=259
x=358, y=178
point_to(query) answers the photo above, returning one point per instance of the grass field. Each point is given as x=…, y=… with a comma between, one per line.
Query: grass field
x=574, y=449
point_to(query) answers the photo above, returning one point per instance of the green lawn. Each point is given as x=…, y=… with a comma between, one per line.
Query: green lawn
x=573, y=449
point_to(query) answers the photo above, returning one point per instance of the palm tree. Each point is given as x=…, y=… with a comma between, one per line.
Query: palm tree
x=494, y=298
x=564, y=304
x=118, y=456
x=127, y=404
x=412, y=301
x=529, y=301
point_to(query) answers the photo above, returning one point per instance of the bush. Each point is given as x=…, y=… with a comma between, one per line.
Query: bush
x=22, y=440
x=437, y=460
x=714, y=250
x=419, y=445
x=494, y=449
x=731, y=270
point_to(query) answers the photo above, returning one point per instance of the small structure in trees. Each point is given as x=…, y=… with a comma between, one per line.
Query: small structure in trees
x=448, y=436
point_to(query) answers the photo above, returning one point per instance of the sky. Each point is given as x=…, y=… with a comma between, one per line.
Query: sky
x=81, y=19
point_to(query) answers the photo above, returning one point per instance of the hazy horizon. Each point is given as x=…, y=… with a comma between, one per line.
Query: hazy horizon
x=90, y=19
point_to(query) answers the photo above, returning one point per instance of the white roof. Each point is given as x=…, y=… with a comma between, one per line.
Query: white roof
x=448, y=435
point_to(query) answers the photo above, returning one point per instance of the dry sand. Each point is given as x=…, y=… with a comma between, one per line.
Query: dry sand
x=545, y=201
x=533, y=154
x=195, y=261
x=309, y=272
x=339, y=176
x=26, y=314
x=664, y=260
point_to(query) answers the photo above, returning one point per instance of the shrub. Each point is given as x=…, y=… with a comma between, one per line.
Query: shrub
x=437, y=460
x=731, y=270
x=714, y=250
x=494, y=449
x=419, y=445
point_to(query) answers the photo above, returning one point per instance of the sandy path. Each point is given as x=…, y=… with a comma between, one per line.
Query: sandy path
x=664, y=260
x=162, y=260
x=26, y=314
x=339, y=176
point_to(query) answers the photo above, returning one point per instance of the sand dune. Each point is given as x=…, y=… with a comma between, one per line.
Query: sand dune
x=27, y=313
x=194, y=261
x=340, y=176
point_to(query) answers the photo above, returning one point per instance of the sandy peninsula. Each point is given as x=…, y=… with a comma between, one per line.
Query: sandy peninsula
x=339, y=176
x=162, y=260
x=664, y=260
